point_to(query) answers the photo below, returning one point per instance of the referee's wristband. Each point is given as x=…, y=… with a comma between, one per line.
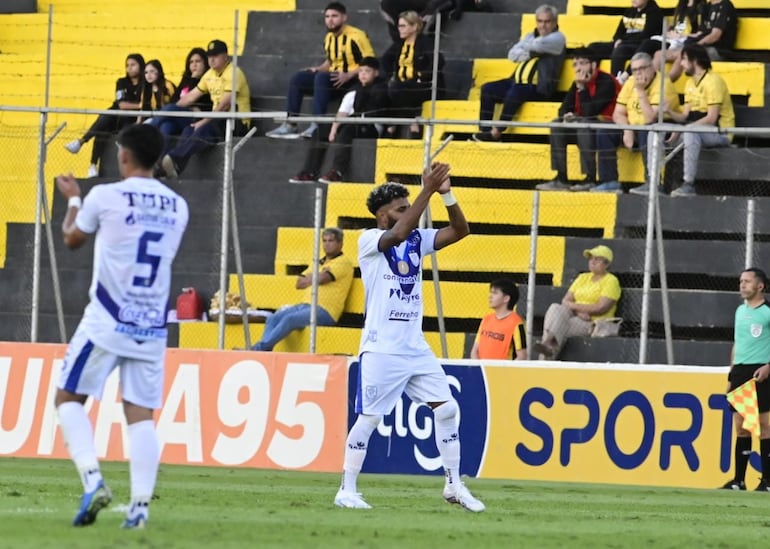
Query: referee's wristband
x=449, y=199
x=74, y=202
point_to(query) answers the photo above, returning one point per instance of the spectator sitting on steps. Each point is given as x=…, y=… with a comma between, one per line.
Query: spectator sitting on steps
x=591, y=296
x=539, y=55
x=345, y=47
x=335, y=275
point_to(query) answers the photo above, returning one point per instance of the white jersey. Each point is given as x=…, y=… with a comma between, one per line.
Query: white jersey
x=139, y=223
x=393, y=285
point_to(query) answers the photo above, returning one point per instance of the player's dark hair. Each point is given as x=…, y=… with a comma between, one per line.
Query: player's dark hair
x=335, y=231
x=760, y=274
x=336, y=6
x=385, y=194
x=697, y=53
x=144, y=141
x=509, y=288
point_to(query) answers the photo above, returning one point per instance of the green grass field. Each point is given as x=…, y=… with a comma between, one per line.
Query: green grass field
x=207, y=507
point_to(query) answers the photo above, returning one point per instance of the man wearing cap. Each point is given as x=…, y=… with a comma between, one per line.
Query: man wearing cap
x=593, y=295
x=345, y=46
x=219, y=82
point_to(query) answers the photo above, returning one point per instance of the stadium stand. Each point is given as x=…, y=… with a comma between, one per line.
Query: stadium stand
x=704, y=241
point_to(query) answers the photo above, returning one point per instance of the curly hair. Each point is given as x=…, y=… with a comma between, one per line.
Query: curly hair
x=385, y=194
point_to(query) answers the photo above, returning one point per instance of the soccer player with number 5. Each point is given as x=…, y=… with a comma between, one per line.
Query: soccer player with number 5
x=139, y=224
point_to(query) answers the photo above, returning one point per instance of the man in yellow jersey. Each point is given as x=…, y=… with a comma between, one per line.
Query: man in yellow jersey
x=334, y=279
x=502, y=334
x=345, y=46
x=224, y=85
x=707, y=102
x=638, y=103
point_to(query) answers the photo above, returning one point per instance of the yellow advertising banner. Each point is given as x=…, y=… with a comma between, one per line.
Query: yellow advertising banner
x=645, y=425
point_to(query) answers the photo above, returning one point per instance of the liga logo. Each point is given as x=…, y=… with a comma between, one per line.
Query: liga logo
x=404, y=441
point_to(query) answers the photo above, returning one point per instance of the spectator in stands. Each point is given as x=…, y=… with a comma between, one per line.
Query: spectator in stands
x=591, y=98
x=502, y=334
x=335, y=275
x=685, y=21
x=408, y=65
x=707, y=102
x=128, y=97
x=196, y=66
x=157, y=91
x=539, y=55
x=641, y=21
x=593, y=295
x=221, y=82
x=637, y=104
x=345, y=46
x=749, y=359
x=369, y=97
x=717, y=32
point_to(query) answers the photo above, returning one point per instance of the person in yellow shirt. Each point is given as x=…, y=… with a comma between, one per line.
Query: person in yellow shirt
x=638, y=103
x=218, y=83
x=593, y=295
x=335, y=276
x=707, y=102
x=502, y=334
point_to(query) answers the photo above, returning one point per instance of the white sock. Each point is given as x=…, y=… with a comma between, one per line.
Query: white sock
x=355, y=450
x=144, y=457
x=448, y=440
x=79, y=437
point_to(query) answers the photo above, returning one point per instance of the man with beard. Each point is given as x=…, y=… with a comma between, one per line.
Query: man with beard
x=345, y=47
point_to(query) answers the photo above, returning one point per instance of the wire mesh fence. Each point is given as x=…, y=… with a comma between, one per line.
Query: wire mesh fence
x=493, y=182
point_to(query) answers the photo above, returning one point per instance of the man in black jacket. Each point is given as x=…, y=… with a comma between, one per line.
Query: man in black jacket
x=591, y=98
x=369, y=97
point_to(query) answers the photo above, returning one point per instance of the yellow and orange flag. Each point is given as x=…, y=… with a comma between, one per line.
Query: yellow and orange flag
x=744, y=400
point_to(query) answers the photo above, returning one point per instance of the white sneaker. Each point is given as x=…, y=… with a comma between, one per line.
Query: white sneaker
x=463, y=497
x=73, y=146
x=310, y=131
x=284, y=131
x=350, y=500
x=169, y=167
x=93, y=171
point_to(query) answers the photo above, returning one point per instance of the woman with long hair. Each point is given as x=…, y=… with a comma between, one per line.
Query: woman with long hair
x=157, y=91
x=196, y=65
x=128, y=96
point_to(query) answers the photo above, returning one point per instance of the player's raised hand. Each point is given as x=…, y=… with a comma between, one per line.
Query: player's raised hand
x=67, y=185
x=436, y=178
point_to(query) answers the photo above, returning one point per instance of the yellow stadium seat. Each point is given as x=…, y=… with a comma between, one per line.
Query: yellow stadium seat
x=491, y=206
x=329, y=339
x=477, y=252
x=519, y=161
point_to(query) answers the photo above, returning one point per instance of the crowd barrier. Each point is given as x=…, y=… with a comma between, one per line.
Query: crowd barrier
x=606, y=423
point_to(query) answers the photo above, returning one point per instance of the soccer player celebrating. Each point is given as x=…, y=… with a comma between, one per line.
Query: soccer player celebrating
x=750, y=355
x=394, y=356
x=139, y=223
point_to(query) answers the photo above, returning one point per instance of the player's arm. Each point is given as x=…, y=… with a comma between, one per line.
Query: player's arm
x=68, y=186
x=458, y=226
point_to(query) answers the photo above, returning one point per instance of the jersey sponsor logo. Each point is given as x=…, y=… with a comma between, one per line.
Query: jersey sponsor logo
x=493, y=335
x=141, y=316
x=404, y=441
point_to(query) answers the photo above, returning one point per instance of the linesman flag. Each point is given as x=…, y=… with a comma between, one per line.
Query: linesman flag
x=744, y=400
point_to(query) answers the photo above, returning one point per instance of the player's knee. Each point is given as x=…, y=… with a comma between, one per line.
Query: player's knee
x=447, y=411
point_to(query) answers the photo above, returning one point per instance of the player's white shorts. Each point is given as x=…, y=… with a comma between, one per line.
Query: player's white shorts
x=383, y=377
x=87, y=366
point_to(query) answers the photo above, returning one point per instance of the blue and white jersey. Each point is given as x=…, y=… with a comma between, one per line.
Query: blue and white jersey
x=393, y=285
x=139, y=223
